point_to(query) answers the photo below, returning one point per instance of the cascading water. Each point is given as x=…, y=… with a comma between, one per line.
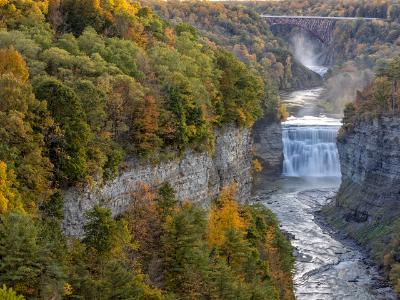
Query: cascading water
x=309, y=147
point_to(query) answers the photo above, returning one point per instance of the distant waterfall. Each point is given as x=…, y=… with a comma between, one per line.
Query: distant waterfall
x=310, y=150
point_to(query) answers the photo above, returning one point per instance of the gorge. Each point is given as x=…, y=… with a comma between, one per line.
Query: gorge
x=199, y=150
x=328, y=266
x=303, y=151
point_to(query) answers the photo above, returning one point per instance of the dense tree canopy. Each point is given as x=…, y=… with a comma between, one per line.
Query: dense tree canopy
x=83, y=85
x=241, y=31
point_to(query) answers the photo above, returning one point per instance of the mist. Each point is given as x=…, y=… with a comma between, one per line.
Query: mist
x=341, y=88
x=341, y=84
x=307, y=51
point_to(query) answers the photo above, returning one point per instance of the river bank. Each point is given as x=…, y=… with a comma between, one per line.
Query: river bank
x=329, y=265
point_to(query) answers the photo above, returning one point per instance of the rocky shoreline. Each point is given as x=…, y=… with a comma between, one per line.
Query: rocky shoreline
x=329, y=263
x=379, y=282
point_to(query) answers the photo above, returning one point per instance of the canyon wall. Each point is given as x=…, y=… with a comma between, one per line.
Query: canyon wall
x=195, y=176
x=368, y=202
x=370, y=165
x=268, y=146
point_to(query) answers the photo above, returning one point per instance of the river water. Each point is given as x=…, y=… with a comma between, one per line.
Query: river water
x=327, y=267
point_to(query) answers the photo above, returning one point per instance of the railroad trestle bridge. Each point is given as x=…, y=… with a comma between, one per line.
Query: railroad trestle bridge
x=320, y=27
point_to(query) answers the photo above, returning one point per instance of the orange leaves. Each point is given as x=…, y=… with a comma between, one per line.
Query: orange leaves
x=146, y=125
x=224, y=215
x=11, y=62
x=143, y=218
x=170, y=35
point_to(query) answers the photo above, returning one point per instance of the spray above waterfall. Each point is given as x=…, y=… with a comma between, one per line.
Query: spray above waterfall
x=305, y=51
x=308, y=136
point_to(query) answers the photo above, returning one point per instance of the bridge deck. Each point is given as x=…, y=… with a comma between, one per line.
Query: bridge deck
x=317, y=17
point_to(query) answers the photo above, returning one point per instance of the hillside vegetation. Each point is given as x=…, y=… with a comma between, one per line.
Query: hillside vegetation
x=356, y=47
x=380, y=98
x=240, y=30
x=86, y=84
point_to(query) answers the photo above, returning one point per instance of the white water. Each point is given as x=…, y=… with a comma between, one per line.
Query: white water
x=327, y=268
x=309, y=147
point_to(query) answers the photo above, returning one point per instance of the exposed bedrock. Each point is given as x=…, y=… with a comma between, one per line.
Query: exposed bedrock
x=195, y=177
x=370, y=164
x=268, y=146
x=368, y=202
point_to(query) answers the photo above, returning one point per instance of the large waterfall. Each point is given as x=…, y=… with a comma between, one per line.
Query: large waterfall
x=309, y=147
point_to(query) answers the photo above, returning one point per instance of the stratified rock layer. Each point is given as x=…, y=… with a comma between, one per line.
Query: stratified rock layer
x=367, y=205
x=195, y=176
x=370, y=165
x=268, y=146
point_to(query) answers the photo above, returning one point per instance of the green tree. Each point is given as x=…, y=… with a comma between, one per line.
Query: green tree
x=9, y=294
x=241, y=90
x=23, y=120
x=186, y=253
x=166, y=201
x=100, y=229
x=32, y=256
x=69, y=155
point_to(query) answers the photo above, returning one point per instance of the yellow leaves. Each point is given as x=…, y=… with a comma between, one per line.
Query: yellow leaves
x=11, y=62
x=224, y=215
x=68, y=289
x=4, y=2
x=256, y=166
x=9, y=199
x=282, y=112
x=5, y=193
x=125, y=7
x=241, y=115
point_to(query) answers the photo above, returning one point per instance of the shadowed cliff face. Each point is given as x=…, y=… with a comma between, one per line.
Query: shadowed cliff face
x=267, y=145
x=368, y=202
x=370, y=164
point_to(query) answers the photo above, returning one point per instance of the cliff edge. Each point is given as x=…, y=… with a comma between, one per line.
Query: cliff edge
x=367, y=205
x=195, y=176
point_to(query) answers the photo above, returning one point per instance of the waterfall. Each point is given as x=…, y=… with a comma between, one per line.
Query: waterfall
x=310, y=150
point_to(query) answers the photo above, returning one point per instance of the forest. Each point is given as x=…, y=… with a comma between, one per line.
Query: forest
x=88, y=84
x=357, y=47
x=240, y=29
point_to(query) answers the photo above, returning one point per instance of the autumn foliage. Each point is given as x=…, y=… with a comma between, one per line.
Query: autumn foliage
x=224, y=216
x=83, y=85
x=11, y=62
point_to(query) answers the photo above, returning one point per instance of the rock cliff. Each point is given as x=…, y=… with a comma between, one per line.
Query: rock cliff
x=195, y=176
x=268, y=146
x=370, y=165
x=367, y=205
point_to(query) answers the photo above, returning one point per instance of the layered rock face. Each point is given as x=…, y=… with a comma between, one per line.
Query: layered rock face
x=367, y=205
x=195, y=176
x=370, y=166
x=268, y=146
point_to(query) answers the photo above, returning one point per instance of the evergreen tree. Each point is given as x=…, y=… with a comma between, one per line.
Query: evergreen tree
x=186, y=253
x=99, y=230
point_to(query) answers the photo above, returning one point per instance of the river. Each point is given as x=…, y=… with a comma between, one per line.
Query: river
x=328, y=266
